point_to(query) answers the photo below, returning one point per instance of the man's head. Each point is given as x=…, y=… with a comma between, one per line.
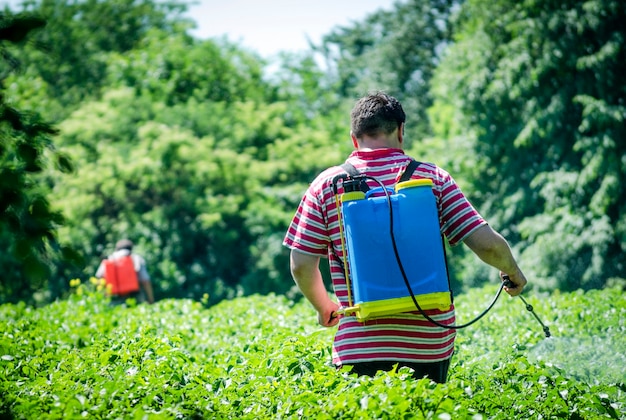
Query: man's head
x=124, y=244
x=376, y=114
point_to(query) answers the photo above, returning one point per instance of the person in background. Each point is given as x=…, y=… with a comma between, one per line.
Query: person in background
x=407, y=339
x=126, y=274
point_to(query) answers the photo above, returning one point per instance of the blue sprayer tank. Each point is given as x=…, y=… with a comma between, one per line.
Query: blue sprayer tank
x=377, y=284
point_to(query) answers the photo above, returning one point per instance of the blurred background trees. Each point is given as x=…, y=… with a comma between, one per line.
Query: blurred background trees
x=197, y=153
x=546, y=106
x=28, y=223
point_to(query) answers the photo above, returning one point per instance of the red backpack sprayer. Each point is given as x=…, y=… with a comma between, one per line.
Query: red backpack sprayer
x=395, y=273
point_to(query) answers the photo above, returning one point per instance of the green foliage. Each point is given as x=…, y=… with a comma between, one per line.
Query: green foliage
x=28, y=224
x=263, y=357
x=396, y=51
x=537, y=89
x=173, y=193
x=200, y=154
x=176, y=68
x=203, y=189
x=79, y=36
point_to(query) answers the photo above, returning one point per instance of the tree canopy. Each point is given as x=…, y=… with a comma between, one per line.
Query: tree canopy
x=546, y=109
x=130, y=127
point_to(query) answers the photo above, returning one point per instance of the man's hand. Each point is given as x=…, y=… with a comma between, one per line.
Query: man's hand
x=328, y=316
x=517, y=281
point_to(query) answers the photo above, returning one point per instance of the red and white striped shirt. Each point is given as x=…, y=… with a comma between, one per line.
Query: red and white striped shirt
x=314, y=230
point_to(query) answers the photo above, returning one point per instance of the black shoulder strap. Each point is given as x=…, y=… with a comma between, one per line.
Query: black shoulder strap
x=408, y=172
x=350, y=169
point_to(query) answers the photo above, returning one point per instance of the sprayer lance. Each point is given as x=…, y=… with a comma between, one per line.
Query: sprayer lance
x=529, y=307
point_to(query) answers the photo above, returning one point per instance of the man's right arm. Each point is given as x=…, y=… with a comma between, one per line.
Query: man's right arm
x=494, y=250
x=306, y=273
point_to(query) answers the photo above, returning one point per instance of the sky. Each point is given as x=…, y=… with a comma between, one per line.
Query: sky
x=271, y=26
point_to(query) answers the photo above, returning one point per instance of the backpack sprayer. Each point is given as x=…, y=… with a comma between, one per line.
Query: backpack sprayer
x=409, y=213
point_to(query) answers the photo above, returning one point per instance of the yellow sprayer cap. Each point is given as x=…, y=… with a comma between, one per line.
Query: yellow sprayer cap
x=414, y=183
x=352, y=196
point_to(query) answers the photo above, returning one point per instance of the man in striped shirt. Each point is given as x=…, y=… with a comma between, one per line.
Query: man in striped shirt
x=406, y=339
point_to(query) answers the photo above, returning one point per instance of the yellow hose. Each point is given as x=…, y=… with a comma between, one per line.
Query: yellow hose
x=343, y=249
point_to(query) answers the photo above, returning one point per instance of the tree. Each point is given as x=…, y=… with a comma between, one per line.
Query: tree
x=27, y=222
x=175, y=68
x=80, y=35
x=539, y=85
x=394, y=50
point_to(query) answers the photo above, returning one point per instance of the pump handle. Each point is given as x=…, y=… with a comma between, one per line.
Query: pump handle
x=336, y=179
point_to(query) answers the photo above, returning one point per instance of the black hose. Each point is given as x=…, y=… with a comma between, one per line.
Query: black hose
x=506, y=281
x=406, y=280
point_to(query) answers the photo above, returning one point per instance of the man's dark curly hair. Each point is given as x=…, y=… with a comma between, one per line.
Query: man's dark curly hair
x=377, y=113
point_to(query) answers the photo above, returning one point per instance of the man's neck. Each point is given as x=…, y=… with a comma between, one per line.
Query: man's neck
x=382, y=141
x=378, y=143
